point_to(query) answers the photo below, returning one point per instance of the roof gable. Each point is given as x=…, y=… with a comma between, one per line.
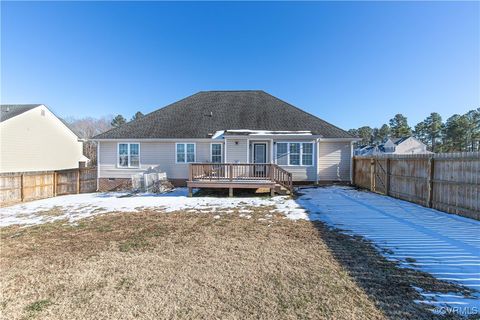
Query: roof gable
x=206, y=112
x=8, y=111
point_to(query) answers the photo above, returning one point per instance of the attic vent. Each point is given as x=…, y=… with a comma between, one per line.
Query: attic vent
x=42, y=112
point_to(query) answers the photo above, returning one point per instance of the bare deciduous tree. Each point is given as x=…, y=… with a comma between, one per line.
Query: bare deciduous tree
x=87, y=128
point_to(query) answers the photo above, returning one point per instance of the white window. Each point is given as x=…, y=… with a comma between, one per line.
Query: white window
x=294, y=153
x=216, y=152
x=185, y=152
x=282, y=154
x=307, y=154
x=129, y=155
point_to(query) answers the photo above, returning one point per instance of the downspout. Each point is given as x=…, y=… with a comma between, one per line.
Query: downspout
x=317, y=155
x=98, y=165
x=351, y=162
x=226, y=147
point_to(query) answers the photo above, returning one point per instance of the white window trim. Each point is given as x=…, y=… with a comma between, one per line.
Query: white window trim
x=300, y=154
x=185, y=152
x=129, y=158
x=211, y=149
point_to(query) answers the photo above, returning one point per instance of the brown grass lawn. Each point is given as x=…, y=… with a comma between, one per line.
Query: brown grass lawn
x=153, y=265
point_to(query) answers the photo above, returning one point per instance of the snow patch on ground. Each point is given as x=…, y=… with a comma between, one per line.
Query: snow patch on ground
x=444, y=245
x=75, y=207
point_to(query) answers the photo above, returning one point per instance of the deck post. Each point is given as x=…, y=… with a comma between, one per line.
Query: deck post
x=231, y=171
x=230, y=192
x=272, y=192
x=190, y=193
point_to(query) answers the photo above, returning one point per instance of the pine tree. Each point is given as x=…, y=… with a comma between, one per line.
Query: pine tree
x=456, y=133
x=421, y=132
x=383, y=133
x=399, y=126
x=366, y=133
x=118, y=121
x=473, y=132
x=137, y=115
x=434, y=126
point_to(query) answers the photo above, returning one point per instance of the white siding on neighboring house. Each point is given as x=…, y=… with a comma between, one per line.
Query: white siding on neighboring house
x=411, y=146
x=236, y=150
x=37, y=140
x=152, y=154
x=334, y=161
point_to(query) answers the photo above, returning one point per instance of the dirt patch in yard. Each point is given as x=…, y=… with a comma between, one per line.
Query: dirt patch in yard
x=185, y=265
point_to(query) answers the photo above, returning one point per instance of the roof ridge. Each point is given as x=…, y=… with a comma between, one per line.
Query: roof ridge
x=245, y=90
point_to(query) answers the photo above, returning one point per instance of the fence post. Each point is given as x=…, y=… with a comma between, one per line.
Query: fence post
x=387, y=178
x=372, y=174
x=78, y=181
x=430, y=174
x=55, y=183
x=22, y=195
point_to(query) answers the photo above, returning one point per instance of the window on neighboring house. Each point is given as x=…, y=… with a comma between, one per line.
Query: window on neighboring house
x=185, y=152
x=216, y=152
x=129, y=155
x=294, y=153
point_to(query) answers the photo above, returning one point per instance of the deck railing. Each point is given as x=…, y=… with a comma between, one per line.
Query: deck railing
x=225, y=172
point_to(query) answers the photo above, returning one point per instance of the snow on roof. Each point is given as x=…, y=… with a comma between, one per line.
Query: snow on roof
x=267, y=133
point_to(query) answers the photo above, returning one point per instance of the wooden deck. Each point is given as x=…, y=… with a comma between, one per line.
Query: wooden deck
x=238, y=176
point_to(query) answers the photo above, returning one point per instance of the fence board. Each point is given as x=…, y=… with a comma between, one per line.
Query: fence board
x=449, y=182
x=17, y=187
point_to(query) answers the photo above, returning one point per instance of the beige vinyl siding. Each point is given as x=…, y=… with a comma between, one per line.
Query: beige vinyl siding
x=152, y=154
x=35, y=142
x=236, y=153
x=334, y=161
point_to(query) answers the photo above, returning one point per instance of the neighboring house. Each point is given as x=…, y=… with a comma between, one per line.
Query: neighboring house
x=225, y=127
x=405, y=145
x=32, y=138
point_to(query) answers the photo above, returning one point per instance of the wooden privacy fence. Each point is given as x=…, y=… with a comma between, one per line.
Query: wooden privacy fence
x=26, y=186
x=446, y=181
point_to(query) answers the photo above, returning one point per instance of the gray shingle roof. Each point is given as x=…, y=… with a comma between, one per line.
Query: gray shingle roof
x=204, y=113
x=8, y=111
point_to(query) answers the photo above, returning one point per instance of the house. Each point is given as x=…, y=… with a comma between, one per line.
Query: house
x=32, y=138
x=405, y=145
x=226, y=127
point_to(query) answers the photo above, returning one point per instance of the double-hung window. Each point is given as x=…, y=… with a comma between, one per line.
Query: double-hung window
x=294, y=153
x=128, y=155
x=216, y=152
x=185, y=152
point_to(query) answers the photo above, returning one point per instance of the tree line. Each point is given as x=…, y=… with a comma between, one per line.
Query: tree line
x=457, y=133
x=89, y=127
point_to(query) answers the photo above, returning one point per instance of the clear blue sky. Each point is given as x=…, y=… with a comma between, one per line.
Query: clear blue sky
x=349, y=63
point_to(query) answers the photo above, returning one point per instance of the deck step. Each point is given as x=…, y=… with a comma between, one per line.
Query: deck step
x=281, y=190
